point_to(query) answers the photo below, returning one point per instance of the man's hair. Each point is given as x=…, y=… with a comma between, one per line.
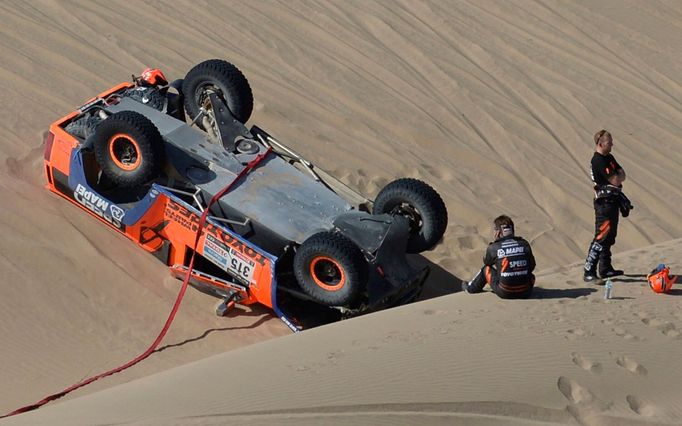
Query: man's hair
x=600, y=134
x=504, y=224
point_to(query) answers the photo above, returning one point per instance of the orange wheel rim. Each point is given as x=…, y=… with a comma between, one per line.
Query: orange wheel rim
x=125, y=152
x=327, y=273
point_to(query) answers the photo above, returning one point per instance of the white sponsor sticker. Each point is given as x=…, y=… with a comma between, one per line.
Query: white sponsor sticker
x=241, y=265
x=228, y=259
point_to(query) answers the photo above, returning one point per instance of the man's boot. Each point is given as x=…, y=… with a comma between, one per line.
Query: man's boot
x=590, y=276
x=605, y=268
x=610, y=272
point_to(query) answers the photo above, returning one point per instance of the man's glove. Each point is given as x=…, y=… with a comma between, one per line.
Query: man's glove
x=624, y=205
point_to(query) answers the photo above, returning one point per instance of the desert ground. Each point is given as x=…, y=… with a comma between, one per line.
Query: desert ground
x=492, y=103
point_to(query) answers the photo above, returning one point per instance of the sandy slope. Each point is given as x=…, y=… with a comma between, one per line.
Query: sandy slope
x=565, y=356
x=493, y=103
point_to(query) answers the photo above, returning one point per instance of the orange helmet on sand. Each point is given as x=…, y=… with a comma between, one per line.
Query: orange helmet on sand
x=153, y=77
x=660, y=280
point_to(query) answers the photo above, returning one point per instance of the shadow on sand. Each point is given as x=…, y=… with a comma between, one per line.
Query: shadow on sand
x=561, y=293
x=256, y=311
x=630, y=278
x=439, y=282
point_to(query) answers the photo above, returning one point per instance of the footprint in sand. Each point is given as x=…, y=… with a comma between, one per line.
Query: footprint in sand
x=641, y=407
x=665, y=327
x=586, y=364
x=574, y=392
x=631, y=365
x=572, y=283
x=574, y=334
x=618, y=331
x=580, y=395
x=671, y=332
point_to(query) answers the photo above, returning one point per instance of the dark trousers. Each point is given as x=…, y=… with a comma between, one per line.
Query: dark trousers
x=605, y=230
x=490, y=275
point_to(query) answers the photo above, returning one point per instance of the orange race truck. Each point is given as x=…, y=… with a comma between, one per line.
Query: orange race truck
x=145, y=158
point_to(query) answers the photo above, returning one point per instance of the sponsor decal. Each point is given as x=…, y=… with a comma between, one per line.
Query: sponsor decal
x=216, y=252
x=241, y=257
x=518, y=263
x=98, y=205
x=514, y=273
x=503, y=252
x=241, y=266
x=229, y=259
x=117, y=212
x=513, y=250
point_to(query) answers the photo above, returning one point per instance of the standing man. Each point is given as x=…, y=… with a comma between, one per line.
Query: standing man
x=608, y=177
x=508, y=264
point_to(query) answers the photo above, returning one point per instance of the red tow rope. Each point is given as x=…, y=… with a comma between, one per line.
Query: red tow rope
x=166, y=326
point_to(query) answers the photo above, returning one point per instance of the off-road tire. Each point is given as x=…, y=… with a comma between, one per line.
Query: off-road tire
x=129, y=149
x=84, y=127
x=421, y=204
x=331, y=269
x=223, y=77
x=150, y=96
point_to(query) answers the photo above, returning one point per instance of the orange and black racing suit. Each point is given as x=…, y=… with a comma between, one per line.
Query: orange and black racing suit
x=606, y=209
x=508, y=268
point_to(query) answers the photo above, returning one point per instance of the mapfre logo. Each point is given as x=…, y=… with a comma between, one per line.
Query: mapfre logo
x=509, y=251
x=98, y=205
x=117, y=212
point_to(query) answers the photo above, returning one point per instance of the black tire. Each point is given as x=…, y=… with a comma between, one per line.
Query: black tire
x=150, y=96
x=129, y=149
x=226, y=80
x=331, y=269
x=84, y=127
x=421, y=204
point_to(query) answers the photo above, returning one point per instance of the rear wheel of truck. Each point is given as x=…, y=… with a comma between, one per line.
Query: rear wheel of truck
x=226, y=81
x=421, y=204
x=331, y=269
x=129, y=149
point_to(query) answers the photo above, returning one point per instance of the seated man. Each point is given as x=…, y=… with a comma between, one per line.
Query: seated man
x=508, y=264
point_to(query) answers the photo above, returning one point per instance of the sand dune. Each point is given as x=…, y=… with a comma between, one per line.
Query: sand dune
x=492, y=103
x=565, y=356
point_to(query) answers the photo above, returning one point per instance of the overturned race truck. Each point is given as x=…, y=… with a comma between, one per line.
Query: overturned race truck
x=146, y=156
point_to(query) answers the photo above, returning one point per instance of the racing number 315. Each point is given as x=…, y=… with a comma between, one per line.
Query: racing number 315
x=241, y=268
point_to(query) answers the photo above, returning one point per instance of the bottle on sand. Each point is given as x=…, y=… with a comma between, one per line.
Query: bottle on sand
x=608, y=287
